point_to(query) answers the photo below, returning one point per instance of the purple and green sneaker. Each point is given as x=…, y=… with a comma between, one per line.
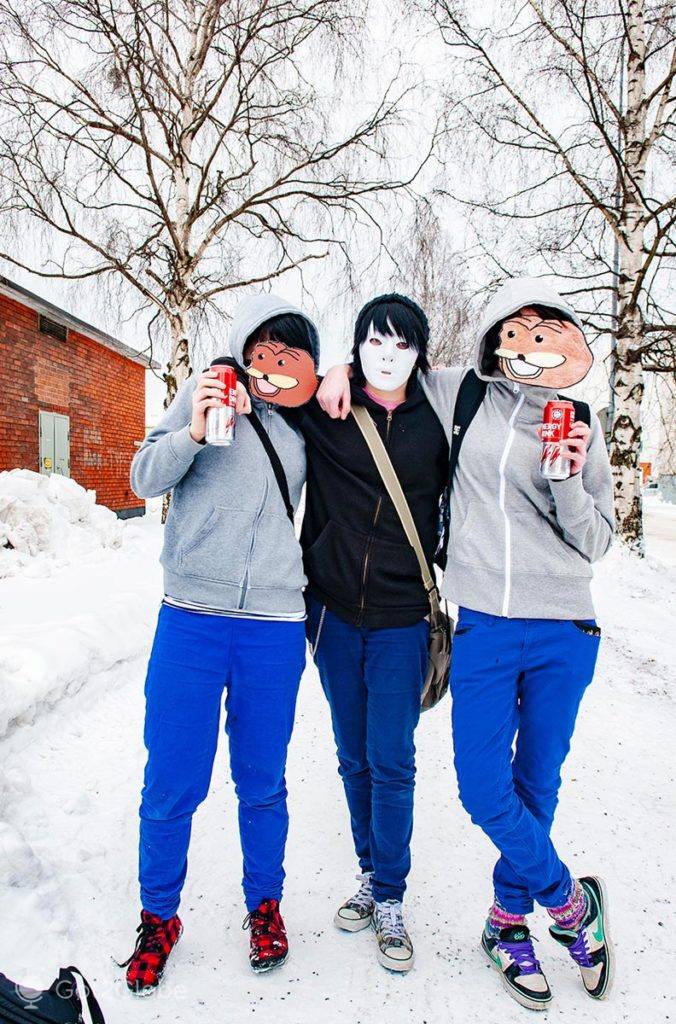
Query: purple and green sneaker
x=510, y=951
x=589, y=945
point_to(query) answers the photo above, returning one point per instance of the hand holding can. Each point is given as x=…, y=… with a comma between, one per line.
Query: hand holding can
x=220, y=421
x=208, y=392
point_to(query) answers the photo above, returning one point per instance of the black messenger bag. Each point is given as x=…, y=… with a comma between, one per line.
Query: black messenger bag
x=61, y=1003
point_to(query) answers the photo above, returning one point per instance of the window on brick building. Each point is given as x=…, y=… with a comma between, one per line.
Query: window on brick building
x=53, y=327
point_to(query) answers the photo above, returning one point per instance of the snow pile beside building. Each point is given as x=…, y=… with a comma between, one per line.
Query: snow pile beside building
x=62, y=630
x=50, y=521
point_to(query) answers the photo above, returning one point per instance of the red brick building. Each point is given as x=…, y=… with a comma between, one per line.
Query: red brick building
x=72, y=398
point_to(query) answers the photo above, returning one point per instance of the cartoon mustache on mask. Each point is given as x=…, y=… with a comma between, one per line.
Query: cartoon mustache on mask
x=278, y=380
x=530, y=365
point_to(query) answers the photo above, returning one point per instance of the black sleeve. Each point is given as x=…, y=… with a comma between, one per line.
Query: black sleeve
x=302, y=415
x=294, y=415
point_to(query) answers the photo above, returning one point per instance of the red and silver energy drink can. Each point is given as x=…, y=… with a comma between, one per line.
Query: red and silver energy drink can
x=557, y=422
x=556, y=425
x=221, y=418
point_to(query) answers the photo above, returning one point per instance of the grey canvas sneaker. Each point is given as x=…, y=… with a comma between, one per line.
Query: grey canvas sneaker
x=356, y=913
x=395, y=949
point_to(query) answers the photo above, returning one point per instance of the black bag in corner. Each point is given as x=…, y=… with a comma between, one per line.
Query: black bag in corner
x=59, y=1004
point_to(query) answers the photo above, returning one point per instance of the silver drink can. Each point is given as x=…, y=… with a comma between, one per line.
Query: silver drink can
x=221, y=418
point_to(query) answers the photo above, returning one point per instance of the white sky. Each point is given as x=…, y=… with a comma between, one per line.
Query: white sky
x=323, y=290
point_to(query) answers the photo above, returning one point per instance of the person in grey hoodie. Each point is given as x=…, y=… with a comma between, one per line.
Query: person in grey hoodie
x=232, y=621
x=519, y=567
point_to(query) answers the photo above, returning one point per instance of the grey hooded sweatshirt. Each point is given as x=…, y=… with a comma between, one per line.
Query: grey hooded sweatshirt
x=228, y=544
x=520, y=546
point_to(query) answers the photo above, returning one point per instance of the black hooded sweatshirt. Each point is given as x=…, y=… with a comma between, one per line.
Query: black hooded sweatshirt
x=357, y=559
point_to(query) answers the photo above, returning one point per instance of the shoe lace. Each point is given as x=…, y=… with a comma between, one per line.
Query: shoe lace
x=148, y=941
x=580, y=950
x=522, y=954
x=262, y=921
x=363, y=898
x=391, y=920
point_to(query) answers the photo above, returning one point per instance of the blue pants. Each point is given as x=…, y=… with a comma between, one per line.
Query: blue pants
x=373, y=679
x=194, y=660
x=522, y=677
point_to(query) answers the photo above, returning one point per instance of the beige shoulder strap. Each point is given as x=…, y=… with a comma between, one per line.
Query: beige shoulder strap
x=391, y=481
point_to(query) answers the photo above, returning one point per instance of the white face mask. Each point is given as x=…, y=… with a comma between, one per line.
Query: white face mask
x=387, y=360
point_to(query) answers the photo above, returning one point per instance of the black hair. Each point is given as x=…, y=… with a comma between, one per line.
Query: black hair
x=291, y=329
x=391, y=314
x=488, y=360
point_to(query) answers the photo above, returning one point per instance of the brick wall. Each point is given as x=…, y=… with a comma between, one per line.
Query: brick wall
x=102, y=392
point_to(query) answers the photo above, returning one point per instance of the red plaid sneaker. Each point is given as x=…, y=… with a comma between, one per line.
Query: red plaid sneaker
x=269, y=944
x=156, y=939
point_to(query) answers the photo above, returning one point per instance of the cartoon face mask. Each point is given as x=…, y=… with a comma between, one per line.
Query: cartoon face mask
x=547, y=353
x=285, y=376
x=387, y=360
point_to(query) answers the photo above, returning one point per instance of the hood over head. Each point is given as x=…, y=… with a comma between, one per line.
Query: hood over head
x=558, y=357
x=254, y=311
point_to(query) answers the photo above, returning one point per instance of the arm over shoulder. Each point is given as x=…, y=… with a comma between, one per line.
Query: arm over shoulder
x=441, y=388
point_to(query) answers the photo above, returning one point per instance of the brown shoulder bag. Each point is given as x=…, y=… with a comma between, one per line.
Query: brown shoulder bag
x=441, y=625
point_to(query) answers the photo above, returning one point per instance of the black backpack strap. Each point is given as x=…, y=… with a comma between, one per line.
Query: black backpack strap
x=66, y=987
x=470, y=396
x=275, y=461
x=582, y=410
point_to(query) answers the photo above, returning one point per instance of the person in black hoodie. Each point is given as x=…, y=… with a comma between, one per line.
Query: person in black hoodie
x=366, y=602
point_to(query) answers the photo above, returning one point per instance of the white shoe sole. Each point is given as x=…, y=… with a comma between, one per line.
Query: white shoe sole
x=267, y=968
x=398, y=966
x=357, y=925
x=518, y=997
x=609, y=944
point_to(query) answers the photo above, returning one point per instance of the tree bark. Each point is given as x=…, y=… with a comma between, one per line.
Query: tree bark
x=178, y=371
x=625, y=437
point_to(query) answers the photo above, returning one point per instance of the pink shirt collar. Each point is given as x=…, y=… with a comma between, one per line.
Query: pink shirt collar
x=381, y=401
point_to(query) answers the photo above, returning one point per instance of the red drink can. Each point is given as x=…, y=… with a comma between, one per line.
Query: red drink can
x=221, y=418
x=557, y=422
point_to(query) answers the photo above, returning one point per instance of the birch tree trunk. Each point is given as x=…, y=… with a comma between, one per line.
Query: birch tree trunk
x=595, y=176
x=625, y=439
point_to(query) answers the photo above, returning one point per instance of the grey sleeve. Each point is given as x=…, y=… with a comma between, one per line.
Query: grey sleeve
x=441, y=388
x=584, y=502
x=168, y=451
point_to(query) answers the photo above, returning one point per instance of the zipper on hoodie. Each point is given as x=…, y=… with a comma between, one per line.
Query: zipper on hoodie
x=503, y=485
x=254, y=531
x=369, y=545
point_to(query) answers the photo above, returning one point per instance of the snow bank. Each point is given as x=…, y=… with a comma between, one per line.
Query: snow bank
x=39, y=669
x=65, y=622
x=50, y=521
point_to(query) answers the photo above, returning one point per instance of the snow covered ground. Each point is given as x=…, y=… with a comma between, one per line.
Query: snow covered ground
x=72, y=662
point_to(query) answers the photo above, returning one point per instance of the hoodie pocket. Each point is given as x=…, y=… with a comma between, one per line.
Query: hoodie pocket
x=276, y=558
x=335, y=562
x=394, y=574
x=539, y=548
x=218, y=549
x=479, y=541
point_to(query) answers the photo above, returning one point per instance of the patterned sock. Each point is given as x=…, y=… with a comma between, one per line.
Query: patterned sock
x=572, y=913
x=499, y=918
